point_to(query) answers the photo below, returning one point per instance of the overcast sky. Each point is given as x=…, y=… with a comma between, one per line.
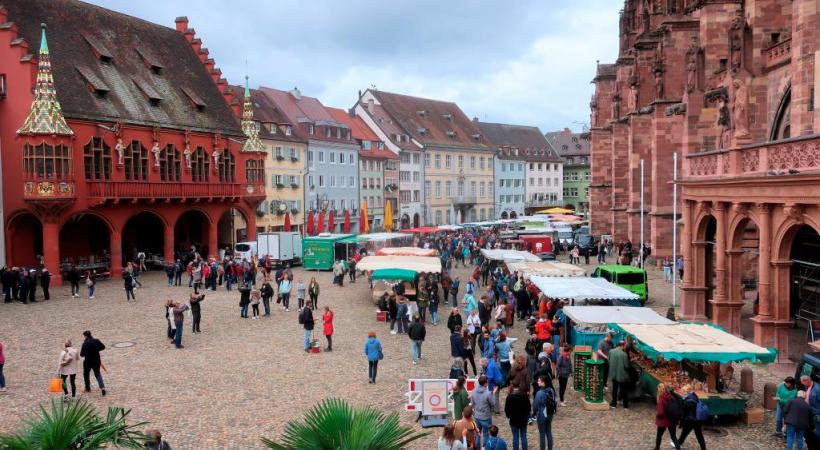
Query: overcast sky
x=522, y=62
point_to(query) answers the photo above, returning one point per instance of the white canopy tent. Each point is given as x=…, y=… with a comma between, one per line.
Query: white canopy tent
x=546, y=269
x=509, y=255
x=582, y=289
x=615, y=314
x=424, y=264
x=406, y=251
x=381, y=236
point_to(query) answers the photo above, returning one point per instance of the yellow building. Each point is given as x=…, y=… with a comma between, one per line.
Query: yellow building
x=284, y=169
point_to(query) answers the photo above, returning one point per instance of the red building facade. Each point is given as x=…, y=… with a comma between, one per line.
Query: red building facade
x=116, y=137
x=731, y=86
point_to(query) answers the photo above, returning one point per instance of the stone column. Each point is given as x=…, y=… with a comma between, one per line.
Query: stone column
x=51, y=248
x=213, y=241
x=686, y=243
x=168, y=243
x=720, y=252
x=116, y=253
x=251, y=226
x=764, y=275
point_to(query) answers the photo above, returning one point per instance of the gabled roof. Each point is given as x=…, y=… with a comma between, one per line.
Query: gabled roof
x=361, y=132
x=93, y=48
x=264, y=111
x=299, y=109
x=531, y=144
x=567, y=143
x=431, y=122
x=388, y=126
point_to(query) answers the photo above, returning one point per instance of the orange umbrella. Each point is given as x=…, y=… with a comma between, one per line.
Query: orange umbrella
x=330, y=225
x=364, y=224
x=287, y=222
x=346, y=226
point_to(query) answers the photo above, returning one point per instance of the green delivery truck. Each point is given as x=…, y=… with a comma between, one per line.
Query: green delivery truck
x=633, y=279
x=320, y=252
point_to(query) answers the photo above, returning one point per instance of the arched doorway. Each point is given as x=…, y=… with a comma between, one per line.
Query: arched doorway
x=232, y=228
x=85, y=240
x=416, y=220
x=25, y=240
x=504, y=215
x=191, y=232
x=143, y=232
x=705, y=273
x=513, y=215
x=743, y=277
x=804, y=294
x=405, y=221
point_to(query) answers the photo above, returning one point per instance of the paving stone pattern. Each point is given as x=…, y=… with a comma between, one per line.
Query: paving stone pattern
x=242, y=378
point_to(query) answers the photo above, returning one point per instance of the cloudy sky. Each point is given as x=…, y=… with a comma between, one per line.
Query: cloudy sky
x=524, y=62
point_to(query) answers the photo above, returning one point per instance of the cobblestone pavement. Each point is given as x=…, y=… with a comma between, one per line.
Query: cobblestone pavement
x=242, y=378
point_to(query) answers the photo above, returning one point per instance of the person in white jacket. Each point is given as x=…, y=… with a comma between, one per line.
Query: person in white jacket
x=68, y=366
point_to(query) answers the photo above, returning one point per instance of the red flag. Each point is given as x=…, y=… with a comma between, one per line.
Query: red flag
x=309, y=230
x=321, y=226
x=330, y=225
x=346, y=227
x=287, y=221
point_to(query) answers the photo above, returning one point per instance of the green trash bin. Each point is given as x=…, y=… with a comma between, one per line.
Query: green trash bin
x=594, y=382
x=578, y=371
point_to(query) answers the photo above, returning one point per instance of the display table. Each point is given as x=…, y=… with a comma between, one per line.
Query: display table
x=719, y=404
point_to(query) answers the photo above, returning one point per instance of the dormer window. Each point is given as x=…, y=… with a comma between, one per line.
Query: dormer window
x=328, y=132
x=380, y=145
x=422, y=113
x=148, y=91
x=311, y=129
x=477, y=137
x=422, y=131
x=338, y=133
x=448, y=117
x=99, y=49
x=451, y=134
x=365, y=145
x=196, y=100
x=288, y=130
x=150, y=61
x=95, y=84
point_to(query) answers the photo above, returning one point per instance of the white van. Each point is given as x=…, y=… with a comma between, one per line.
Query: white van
x=244, y=250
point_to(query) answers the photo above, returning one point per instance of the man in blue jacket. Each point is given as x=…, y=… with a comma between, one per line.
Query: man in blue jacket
x=495, y=378
x=544, y=396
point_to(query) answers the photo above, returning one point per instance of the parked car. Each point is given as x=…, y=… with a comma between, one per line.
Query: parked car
x=809, y=365
x=546, y=256
x=588, y=242
x=633, y=279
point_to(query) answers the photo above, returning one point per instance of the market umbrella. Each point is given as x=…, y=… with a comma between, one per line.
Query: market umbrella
x=287, y=222
x=364, y=225
x=309, y=227
x=321, y=226
x=556, y=210
x=346, y=226
x=388, y=216
x=330, y=225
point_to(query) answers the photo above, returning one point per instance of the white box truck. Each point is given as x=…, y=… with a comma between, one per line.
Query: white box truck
x=282, y=247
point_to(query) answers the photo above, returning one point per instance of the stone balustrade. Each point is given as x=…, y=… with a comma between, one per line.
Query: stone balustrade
x=788, y=156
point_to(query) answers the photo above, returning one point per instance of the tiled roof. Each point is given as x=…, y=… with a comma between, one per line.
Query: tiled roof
x=362, y=132
x=93, y=49
x=567, y=143
x=386, y=123
x=265, y=111
x=431, y=122
x=531, y=144
x=299, y=109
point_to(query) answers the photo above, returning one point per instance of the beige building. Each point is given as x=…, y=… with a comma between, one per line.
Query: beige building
x=284, y=169
x=457, y=161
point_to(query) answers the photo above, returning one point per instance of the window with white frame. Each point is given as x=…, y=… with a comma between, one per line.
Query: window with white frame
x=351, y=181
x=472, y=188
x=472, y=162
x=438, y=188
x=332, y=157
x=460, y=161
x=448, y=189
x=481, y=162
x=437, y=163
x=448, y=162
x=294, y=155
x=482, y=188
x=415, y=158
x=427, y=193
x=333, y=181
x=321, y=157
x=416, y=176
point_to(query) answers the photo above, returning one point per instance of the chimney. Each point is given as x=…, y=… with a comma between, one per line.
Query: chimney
x=182, y=23
x=370, y=105
x=296, y=93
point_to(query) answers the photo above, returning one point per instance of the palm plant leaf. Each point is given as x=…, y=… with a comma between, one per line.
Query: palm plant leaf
x=75, y=426
x=335, y=425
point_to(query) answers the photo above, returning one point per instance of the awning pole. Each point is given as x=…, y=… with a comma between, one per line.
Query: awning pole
x=674, y=228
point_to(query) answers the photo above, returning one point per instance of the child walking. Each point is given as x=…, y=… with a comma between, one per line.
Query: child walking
x=256, y=297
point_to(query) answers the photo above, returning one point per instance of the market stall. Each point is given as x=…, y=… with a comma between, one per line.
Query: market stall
x=693, y=357
x=545, y=269
x=585, y=291
x=406, y=251
x=320, y=252
x=372, y=242
x=387, y=271
x=421, y=230
x=509, y=255
x=589, y=324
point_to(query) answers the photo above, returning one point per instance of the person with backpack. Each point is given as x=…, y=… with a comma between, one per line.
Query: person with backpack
x=417, y=332
x=517, y=409
x=619, y=375
x=798, y=418
x=544, y=408
x=695, y=413
x=467, y=428
x=483, y=404
x=267, y=293
x=373, y=352
x=667, y=413
x=306, y=320
x=460, y=397
x=454, y=292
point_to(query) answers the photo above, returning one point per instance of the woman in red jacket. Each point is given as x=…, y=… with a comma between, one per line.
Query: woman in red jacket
x=327, y=320
x=663, y=418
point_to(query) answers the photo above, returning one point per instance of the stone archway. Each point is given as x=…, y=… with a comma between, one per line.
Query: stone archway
x=192, y=232
x=513, y=215
x=742, y=280
x=704, y=276
x=25, y=240
x=405, y=221
x=232, y=228
x=416, y=220
x=504, y=215
x=144, y=232
x=85, y=240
